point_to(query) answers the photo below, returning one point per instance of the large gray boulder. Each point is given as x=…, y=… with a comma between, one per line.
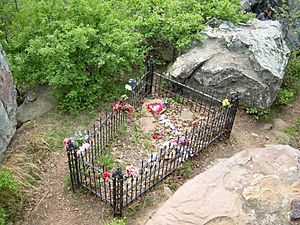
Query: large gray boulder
x=8, y=104
x=248, y=58
x=289, y=17
x=255, y=186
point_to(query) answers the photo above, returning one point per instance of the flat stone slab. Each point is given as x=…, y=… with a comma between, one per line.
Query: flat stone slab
x=40, y=101
x=255, y=186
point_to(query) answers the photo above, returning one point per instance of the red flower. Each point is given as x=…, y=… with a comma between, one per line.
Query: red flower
x=155, y=136
x=116, y=107
x=105, y=175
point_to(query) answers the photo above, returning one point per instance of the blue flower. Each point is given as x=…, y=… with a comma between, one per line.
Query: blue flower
x=132, y=80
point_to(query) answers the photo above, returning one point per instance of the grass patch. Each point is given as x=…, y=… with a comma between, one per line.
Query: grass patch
x=186, y=170
x=116, y=221
x=10, y=198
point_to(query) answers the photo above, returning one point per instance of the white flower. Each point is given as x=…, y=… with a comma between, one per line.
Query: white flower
x=128, y=87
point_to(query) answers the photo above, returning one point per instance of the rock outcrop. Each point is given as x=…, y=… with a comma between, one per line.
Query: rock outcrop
x=249, y=59
x=289, y=19
x=37, y=102
x=8, y=104
x=255, y=186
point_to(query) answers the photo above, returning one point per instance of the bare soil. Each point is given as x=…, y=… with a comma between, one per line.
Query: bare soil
x=52, y=203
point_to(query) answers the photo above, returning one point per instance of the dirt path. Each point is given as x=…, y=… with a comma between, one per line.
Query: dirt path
x=54, y=205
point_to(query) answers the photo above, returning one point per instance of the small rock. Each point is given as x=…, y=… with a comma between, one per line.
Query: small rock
x=168, y=191
x=31, y=96
x=295, y=210
x=186, y=114
x=279, y=124
x=281, y=136
x=267, y=126
x=49, y=195
x=254, y=134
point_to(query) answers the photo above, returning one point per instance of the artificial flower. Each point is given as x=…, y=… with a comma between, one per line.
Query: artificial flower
x=184, y=141
x=116, y=107
x=155, y=136
x=225, y=102
x=128, y=87
x=67, y=141
x=131, y=80
x=105, y=175
x=132, y=171
x=129, y=109
x=155, y=108
x=86, y=146
x=133, y=83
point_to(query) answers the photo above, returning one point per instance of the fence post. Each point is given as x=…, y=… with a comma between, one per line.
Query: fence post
x=149, y=79
x=117, y=192
x=73, y=165
x=234, y=103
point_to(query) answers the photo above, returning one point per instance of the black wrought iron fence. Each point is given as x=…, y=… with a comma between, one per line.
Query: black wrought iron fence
x=120, y=190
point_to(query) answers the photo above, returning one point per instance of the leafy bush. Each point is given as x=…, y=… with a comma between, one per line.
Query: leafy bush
x=81, y=48
x=262, y=114
x=285, y=96
x=86, y=49
x=291, y=82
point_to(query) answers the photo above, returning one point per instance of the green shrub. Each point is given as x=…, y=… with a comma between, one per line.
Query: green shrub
x=86, y=49
x=186, y=170
x=106, y=161
x=291, y=81
x=259, y=114
x=9, y=195
x=285, y=96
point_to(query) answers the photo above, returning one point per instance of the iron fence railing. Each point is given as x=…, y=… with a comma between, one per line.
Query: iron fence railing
x=121, y=190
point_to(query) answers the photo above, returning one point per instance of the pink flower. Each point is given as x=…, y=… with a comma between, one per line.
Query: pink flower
x=116, y=107
x=105, y=175
x=86, y=146
x=129, y=109
x=132, y=171
x=80, y=151
x=161, y=131
x=83, y=148
x=67, y=141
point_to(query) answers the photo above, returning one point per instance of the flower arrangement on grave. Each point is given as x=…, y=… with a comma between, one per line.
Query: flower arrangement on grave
x=155, y=107
x=122, y=104
x=80, y=141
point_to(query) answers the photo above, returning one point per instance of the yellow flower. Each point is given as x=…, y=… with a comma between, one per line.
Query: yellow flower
x=226, y=102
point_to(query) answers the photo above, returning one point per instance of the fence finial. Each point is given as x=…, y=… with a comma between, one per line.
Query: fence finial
x=235, y=97
x=118, y=173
